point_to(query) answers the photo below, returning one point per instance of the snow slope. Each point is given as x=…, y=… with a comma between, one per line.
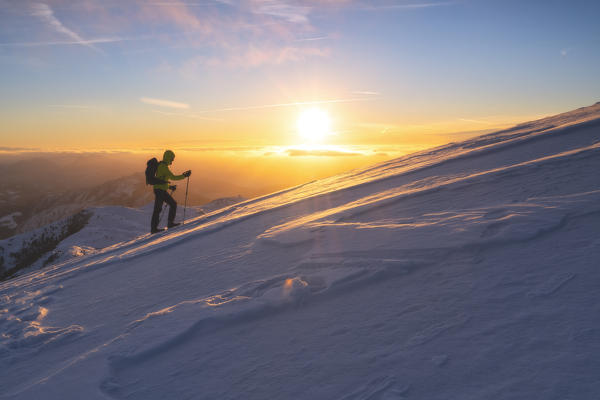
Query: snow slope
x=469, y=271
x=98, y=228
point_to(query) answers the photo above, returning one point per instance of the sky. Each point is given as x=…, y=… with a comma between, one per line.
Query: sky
x=391, y=76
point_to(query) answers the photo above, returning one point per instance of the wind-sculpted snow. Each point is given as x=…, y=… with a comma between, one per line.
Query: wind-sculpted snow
x=24, y=332
x=468, y=271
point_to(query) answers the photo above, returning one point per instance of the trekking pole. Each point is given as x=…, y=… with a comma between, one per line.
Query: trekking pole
x=185, y=203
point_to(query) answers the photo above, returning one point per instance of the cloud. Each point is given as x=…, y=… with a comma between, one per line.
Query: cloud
x=17, y=149
x=239, y=34
x=475, y=121
x=164, y=103
x=187, y=115
x=320, y=153
x=366, y=93
x=228, y=33
x=255, y=56
x=405, y=6
x=46, y=15
x=282, y=9
x=313, y=39
x=221, y=149
x=63, y=42
x=73, y=106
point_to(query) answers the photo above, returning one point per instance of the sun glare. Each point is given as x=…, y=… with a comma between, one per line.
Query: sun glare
x=313, y=125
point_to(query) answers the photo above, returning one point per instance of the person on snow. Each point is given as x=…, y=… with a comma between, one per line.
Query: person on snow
x=160, y=191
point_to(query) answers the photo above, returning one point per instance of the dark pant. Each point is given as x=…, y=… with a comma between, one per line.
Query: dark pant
x=160, y=197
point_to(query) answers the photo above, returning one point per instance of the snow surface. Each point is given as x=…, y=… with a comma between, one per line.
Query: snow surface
x=107, y=226
x=469, y=271
x=8, y=221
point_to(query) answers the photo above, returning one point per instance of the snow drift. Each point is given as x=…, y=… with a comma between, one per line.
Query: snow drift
x=468, y=271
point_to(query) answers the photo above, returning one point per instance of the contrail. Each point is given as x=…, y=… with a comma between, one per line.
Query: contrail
x=164, y=103
x=46, y=14
x=188, y=115
x=64, y=42
x=407, y=6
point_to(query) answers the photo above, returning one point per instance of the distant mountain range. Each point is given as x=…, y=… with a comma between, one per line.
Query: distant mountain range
x=28, y=206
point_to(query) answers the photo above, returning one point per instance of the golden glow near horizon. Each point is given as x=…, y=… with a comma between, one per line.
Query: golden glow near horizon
x=314, y=125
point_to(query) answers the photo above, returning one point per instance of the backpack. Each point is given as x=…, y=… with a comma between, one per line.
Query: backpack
x=151, y=167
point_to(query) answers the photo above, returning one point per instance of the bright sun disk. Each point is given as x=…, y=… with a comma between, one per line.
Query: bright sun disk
x=313, y=125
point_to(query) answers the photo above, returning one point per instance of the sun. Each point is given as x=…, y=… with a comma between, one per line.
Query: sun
x=313, y=125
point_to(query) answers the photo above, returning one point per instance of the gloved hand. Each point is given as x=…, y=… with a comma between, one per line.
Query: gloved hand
x=187, y=173
x=173, y=187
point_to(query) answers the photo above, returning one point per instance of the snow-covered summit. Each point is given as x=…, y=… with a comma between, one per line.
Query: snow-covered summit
x=467, y=271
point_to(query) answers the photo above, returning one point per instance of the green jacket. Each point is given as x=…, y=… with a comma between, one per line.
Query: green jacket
x=163, y=172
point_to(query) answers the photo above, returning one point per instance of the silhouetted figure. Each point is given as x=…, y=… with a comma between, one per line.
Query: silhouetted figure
x=160, y=191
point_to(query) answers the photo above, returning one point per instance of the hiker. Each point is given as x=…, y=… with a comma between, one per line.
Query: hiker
x=160, y=191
